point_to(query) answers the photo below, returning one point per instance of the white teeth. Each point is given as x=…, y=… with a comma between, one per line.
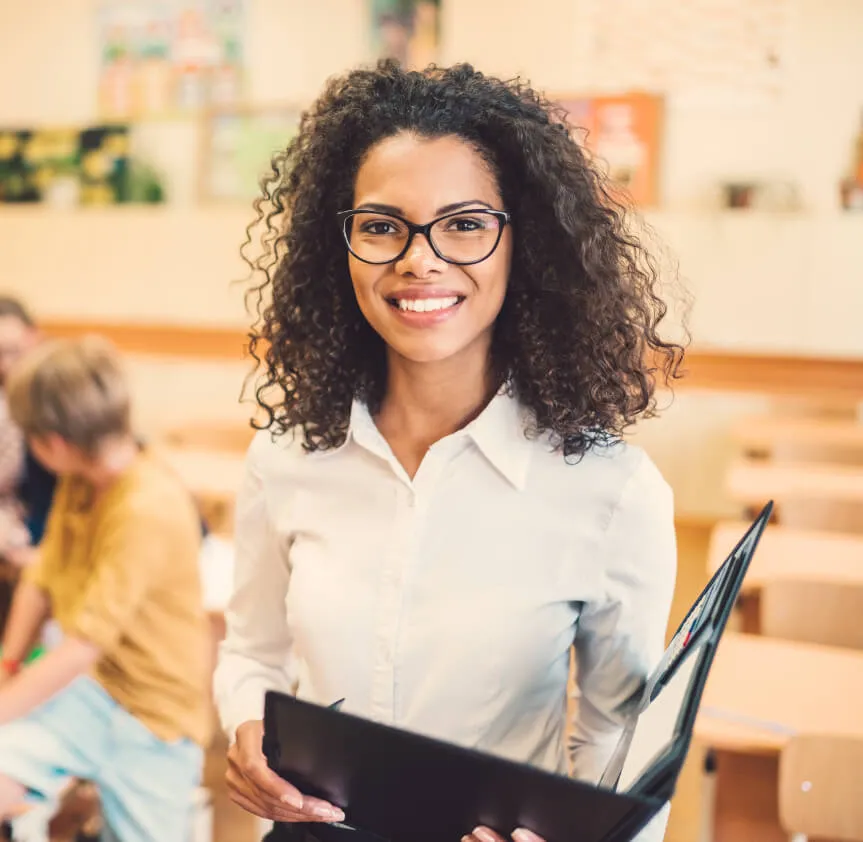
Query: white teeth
x=425, y=305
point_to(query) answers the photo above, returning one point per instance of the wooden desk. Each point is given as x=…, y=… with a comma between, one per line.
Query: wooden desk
x=762, y=690
x=766, y=434
x=784, y=552
x=759, y=692
x=754, y=482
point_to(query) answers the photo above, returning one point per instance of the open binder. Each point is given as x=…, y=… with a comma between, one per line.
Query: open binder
x=405, y=787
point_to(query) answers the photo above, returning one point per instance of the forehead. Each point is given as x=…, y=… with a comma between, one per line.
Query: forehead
x=420, y=175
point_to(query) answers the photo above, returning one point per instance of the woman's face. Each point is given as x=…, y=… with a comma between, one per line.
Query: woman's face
x=426, y=309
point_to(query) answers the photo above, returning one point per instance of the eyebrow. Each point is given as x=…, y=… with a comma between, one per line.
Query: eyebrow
x=393, y=210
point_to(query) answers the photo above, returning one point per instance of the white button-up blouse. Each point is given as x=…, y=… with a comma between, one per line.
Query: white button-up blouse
x=449, y=604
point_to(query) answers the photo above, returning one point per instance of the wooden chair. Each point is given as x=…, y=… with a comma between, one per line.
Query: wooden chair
x=809, y=610
x=820, y=786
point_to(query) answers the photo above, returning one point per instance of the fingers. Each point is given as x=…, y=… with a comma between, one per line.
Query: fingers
x=524, y=835
x=252, y=789
x=483, y=834
x=486, y=834
x=277, y=790
x=247, y=756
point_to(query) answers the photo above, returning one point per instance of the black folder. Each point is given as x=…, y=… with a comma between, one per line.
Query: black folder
x=405, y=787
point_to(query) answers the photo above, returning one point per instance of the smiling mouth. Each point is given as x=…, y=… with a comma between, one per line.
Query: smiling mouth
x=425, y=305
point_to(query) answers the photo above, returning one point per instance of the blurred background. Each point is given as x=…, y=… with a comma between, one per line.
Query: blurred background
x=132, y=135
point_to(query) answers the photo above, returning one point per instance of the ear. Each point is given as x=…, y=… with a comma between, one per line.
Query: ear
x=53, y=451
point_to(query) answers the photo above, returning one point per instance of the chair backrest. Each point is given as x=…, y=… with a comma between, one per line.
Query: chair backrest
x=813, y=611
x=820, y=786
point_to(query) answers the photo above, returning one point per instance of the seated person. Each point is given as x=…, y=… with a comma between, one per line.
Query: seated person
x=20, y=488
x=26, y=486
x=123, y=699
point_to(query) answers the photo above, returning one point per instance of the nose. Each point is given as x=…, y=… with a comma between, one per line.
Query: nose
x=419, y=260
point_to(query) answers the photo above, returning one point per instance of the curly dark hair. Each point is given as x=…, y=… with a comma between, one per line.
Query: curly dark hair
x=576, y=341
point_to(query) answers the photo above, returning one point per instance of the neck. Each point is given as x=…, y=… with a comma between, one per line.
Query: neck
x=113, y=459
x=425, y=402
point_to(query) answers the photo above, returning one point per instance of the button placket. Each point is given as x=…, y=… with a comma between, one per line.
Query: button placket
x=391, y=605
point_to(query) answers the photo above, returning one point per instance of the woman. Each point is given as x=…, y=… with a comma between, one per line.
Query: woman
x=459, y=327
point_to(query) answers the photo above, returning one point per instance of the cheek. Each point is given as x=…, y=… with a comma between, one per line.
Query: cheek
x=492, y=281
x=363, y=279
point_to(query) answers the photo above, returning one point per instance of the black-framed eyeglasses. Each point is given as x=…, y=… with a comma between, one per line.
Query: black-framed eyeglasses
x=463, y=237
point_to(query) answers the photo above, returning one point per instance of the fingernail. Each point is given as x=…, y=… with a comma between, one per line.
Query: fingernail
x=467, y=838
x=330, y=814
x=295, y=801
x=522, y=835
x=484, y=835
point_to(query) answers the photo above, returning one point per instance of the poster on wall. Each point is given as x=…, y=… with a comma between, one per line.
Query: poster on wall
x=238, y=147
x=64, y=166
x=406, y=30
x=624, y=132
x=163, y=58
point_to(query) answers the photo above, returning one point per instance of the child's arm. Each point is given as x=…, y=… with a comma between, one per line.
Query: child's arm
x=51, y=673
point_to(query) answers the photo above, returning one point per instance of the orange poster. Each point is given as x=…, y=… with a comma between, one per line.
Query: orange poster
x=625, y=133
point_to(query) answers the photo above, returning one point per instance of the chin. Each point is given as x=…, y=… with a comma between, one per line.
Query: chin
x=428, y=352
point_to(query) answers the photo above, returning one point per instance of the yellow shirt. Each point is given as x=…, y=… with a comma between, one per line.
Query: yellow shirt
x=122, y=573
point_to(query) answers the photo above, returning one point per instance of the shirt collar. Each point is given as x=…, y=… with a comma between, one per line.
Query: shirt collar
x=498, y=433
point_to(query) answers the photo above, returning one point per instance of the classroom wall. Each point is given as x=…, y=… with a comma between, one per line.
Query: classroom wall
x=767, y=282
x=799, y=274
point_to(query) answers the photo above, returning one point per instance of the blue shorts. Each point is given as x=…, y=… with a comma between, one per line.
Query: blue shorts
x=146, y=784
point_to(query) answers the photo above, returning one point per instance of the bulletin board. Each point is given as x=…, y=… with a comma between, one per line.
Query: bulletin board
x=697, y=52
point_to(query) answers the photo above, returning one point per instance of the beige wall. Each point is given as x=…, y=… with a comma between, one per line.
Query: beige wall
x=762, y=281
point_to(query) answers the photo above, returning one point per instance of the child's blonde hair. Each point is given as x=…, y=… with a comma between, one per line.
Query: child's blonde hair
x=74, y=388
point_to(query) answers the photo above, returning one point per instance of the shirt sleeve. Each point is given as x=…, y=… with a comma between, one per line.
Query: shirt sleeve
x=255, y=654
x=621, y=637
x=129, y=554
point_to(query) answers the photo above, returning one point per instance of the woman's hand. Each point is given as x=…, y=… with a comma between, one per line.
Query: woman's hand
x=259, y=790
x=484, y=834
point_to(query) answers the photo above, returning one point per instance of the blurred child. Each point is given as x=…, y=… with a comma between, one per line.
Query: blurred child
x=18, y=335
x=122, y=701
x=26, y=486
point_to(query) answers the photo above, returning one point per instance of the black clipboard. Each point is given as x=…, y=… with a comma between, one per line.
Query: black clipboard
x=406, y=787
